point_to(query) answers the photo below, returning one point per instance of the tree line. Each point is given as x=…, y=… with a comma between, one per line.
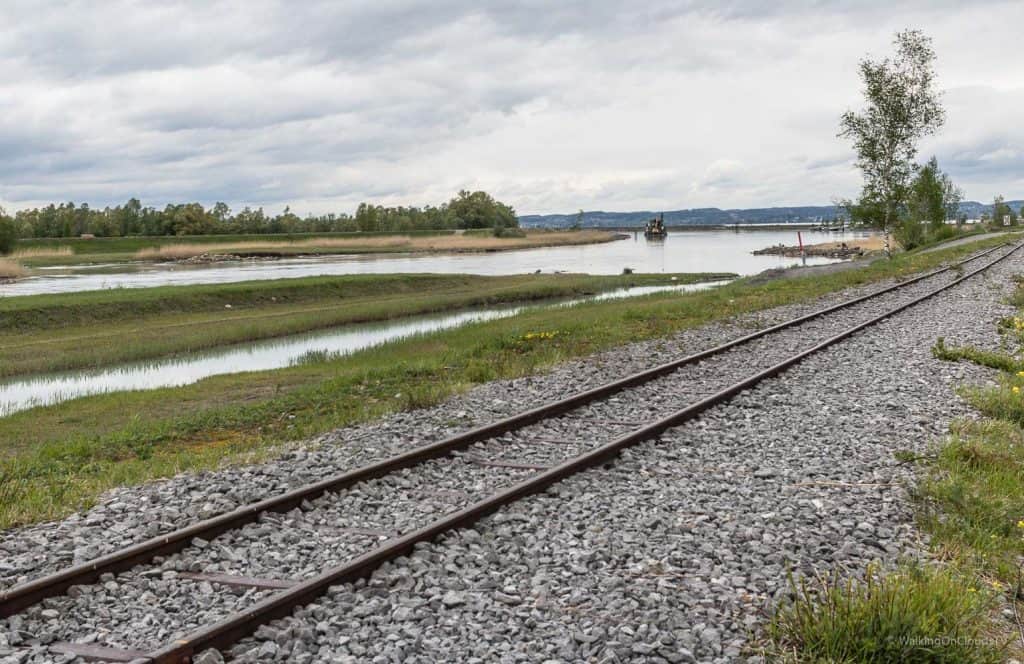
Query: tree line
x=467, y=210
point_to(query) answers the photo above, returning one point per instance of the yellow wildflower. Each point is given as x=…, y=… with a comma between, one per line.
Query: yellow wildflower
x=1016, y=390
x=1020, y=524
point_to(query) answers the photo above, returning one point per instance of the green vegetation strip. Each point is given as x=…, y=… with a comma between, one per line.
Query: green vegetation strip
x=973, y=491
x=971, y=503
x=99, y=328
x=58, y=459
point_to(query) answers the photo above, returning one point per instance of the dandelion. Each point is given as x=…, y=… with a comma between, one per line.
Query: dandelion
x=1020, y=524
x=996, y=585
x=1021, y=374
x=1016, y=390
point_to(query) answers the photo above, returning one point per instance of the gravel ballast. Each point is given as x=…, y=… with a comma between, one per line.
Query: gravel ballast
x=670, y=554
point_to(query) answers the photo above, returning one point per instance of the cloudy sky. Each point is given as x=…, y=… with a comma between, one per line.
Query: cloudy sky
x=550, y=106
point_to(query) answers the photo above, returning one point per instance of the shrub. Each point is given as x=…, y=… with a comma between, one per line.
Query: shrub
x=909, y=233
x=505, y=231
x=944, y=232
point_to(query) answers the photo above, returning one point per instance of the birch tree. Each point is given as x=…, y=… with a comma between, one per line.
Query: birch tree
x=902, y=107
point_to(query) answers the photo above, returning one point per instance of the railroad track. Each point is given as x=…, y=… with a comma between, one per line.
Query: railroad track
x=240, y=570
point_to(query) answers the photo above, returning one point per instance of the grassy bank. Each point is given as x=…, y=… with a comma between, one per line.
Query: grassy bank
x=70, y=251
x=970, y=500
x=92, y=329
x=59, y=458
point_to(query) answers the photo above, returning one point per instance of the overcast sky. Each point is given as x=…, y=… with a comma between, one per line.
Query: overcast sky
x=550, y=106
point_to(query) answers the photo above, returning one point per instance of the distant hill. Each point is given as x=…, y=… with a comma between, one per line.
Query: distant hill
x=719, y=217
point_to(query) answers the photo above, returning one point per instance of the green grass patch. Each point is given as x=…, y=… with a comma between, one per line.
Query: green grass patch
x=987, y=358
x=914, y=615
x=57, y=459
x=972, y=498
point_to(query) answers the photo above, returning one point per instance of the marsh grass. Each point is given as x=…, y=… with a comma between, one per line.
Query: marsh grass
x=43, y=252
x=11, y=269
x=401, y=243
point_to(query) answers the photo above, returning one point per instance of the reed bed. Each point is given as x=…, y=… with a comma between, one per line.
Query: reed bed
x=11, y=269
x=43, y=252
x=182, y=251
x=192, y=249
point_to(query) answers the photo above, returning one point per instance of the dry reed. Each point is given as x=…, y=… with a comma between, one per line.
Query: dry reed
x=11, y=269
x=439, y=243
x=43, y=252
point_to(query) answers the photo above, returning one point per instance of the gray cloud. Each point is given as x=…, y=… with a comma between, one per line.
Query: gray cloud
x=552, y=106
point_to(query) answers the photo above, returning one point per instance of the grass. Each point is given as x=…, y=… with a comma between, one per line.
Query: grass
x=60, y=458
x=84, y=330
x=11, y=269
x=973, y=490
x=43, y=252
x=920, y=614
x=973, y=499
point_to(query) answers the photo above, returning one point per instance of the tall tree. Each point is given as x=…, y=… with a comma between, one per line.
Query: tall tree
x=903, y=106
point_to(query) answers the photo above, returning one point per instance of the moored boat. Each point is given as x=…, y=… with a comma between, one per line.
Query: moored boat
x=656, y=228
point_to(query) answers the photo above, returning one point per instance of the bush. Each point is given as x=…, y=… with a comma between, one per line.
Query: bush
x=8, y=235
x=909, y=233
x=504, y=231
x=944, y=232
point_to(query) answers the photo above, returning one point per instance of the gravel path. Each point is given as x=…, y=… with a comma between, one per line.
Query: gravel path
x=693, y=537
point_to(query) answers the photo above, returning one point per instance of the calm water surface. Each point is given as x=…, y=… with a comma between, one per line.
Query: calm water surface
x=48, y=389
x=682, y=251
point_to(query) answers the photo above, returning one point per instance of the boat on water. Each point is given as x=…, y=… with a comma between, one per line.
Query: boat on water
x=655, y=229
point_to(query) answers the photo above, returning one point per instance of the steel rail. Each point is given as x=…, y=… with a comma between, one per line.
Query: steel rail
x=18, y=598
x=230, y=630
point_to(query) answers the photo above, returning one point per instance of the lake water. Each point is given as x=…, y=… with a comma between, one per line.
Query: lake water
x=682, y=251
x=48, y=389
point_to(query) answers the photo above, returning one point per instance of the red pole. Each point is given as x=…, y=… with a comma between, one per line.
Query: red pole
x=800, y=239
